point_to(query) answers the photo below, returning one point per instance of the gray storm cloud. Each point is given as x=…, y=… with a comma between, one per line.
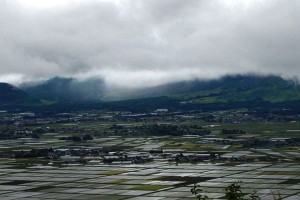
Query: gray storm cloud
x=144, y=43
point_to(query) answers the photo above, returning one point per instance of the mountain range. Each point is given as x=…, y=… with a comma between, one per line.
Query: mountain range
x=226, y=89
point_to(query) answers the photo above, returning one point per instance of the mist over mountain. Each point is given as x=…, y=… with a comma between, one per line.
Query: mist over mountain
x=226, y=89
x=61, y=89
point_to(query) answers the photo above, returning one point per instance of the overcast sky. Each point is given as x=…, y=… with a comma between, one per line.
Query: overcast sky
x=147, y=42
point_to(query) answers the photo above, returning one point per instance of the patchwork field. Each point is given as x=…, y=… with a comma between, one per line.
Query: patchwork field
x=158, y=180
x=148, y=158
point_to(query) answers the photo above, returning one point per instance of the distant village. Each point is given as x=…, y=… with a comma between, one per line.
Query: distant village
x=28, y=127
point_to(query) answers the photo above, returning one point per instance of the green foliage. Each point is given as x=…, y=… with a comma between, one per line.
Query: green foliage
x=232, y=192
x=76, y=138
x=87, y=137
x=254, y=196
x=197, y=192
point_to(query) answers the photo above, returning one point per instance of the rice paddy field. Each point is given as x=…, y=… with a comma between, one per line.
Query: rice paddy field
x=39, y=178
x=157, y=180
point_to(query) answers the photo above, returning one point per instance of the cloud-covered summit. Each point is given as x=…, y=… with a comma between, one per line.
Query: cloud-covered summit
x=143, y=43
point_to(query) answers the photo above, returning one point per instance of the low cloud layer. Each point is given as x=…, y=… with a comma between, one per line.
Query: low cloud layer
x=142, y=43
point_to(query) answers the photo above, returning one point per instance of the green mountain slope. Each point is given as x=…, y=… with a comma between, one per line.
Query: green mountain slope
x=229, y=88
x=10, y=95
x=245, y=88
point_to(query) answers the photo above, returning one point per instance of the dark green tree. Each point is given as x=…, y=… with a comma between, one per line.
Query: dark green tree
x=198, y=193
x=234, y=192
x=87, y=137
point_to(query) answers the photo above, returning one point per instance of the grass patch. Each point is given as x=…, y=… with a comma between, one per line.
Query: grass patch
x=188, y=146
x=171, y=146
x=113, y=172
x=211, y=100
x=291, y=181
x=230, y=164
x=186, y=180
x=280, y=173
x=118, y=181
x=18, y=182
x=150, y=187
x=47, y=102
x=40, y=188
